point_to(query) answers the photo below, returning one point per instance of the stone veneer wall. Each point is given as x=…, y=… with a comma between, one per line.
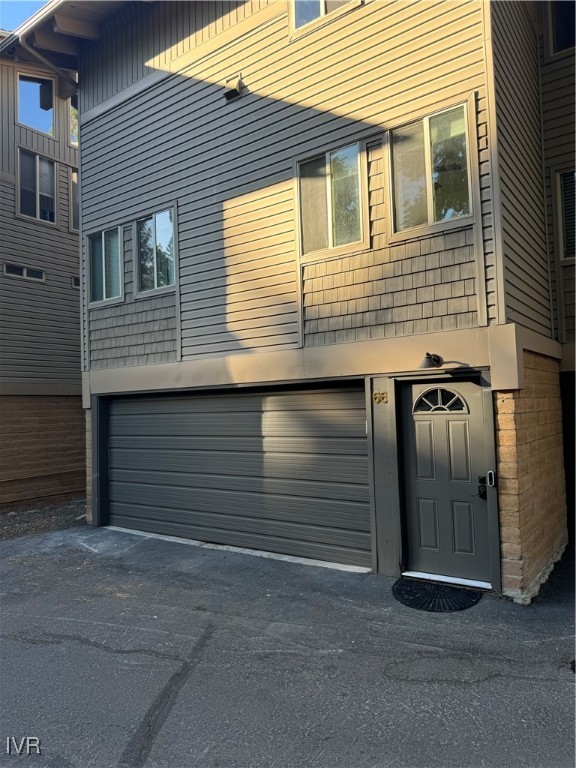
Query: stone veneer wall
x=41, y=446
x=531, y=488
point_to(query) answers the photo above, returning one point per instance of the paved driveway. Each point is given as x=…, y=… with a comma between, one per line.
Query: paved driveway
x=120, y=650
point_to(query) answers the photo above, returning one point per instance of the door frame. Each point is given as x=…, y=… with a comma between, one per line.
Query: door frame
x=388, y=468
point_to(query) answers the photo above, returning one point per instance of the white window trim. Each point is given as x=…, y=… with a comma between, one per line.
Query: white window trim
x=25, y=271
x=430, y=227
x=113, y=299
x=138, y=293
x=320, y=21
x=37, y=218
x=71, y=226
x=363, y=244
x=40, y=76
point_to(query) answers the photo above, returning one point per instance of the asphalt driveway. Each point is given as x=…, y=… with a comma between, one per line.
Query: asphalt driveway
x=120, y=650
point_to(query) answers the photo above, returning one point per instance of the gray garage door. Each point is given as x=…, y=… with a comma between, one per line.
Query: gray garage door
x=284, y=471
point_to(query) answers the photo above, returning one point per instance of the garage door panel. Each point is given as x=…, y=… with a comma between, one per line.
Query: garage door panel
x=352, y=446
x=297, y=466
x=324, y=512
x=285, y=471
x=312, y=489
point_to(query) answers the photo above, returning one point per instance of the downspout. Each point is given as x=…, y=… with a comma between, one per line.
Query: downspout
x=64, y=93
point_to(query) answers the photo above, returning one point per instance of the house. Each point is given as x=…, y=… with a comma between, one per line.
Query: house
x=327, y=260
x=42, y=434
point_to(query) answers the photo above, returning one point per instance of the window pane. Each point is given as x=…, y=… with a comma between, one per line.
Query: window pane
x=568, y=203
x=96, y=270
x=314, y=205
x=34, y=274
x=563, y=20
x=306, y=11
x=46, y=181
x=146, y=253
x=73, y=116
x=449, y=165
x=112, y=263
x=345, y=195
x=27, y=184
x=410, y=199
x=35, y=103
x=75, y=201
x=164, y=249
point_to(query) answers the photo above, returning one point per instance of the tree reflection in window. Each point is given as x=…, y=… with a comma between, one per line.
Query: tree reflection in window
x=440, y=400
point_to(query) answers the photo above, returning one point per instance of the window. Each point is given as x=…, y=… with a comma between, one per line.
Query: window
x=567, y=205
x=28, y=273
x=74, y=201
x=105, y=265
x=37, y=187
x=306, y=11
x=156, y=251
x=430, y=170
x=75, y=282
x=330, y=200
x=36, y=103
x=563, y=21
x=73, y=131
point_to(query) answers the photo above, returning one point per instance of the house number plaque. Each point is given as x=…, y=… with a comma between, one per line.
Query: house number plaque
x=380, y=397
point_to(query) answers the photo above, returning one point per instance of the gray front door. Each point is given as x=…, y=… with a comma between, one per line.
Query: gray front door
x=446, y=517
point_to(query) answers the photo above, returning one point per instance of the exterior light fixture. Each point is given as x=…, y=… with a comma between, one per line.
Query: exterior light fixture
x=431, y=361
x=233, y=88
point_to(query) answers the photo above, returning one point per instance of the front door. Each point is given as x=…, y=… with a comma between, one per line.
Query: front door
x=446, y=511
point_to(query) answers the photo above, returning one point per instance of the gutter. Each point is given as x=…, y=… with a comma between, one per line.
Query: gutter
x=66, y=86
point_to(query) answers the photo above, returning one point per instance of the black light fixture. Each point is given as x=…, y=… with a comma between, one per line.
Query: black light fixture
x=431, y=361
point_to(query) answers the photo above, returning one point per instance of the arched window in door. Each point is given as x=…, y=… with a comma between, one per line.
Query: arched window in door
x=440, y=400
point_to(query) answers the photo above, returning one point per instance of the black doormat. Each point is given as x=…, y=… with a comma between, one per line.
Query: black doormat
x=436, y=598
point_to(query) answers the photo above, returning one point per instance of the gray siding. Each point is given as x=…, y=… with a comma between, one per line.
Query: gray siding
x=138, y=332
x=521, y=166
x=557, y=79
x=230, y=167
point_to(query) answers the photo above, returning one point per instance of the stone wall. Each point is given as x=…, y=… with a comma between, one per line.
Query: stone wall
x=41, y=446
x=531, y=488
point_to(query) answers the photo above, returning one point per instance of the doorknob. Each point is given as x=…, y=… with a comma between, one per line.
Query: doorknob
x=482, y=486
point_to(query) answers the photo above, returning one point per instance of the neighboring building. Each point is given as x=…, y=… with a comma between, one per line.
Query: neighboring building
x=284, y=208
x=42, y=430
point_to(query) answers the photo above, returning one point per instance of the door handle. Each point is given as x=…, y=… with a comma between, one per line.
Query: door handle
x=482, y=486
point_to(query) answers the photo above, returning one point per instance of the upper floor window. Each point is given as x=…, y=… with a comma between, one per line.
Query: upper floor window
x=563, y=21
x=37, y=187
x=156, y=251
x=567, y=203
x=306, y=11
x=74, y=201
x=36, y=103
x=331, y=200
x=105, y=265
x=73, y=130
x=430, y=170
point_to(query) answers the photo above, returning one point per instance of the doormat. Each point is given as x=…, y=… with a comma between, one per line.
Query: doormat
x=436, y=598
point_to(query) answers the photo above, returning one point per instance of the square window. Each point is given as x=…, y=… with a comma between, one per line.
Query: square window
x=563, y=21
x=37, y=187
x=156, y=251
x=331, y=200
x=430, y=170
x=105, y=265
x=306, y=11
x=36, y=103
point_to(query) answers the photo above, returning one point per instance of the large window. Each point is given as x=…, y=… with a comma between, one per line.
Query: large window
x=37, y=187
x=430, y=170
x=36, y=103
x=306, y=11
x=563, y=20
x=567, y=203
x=331, y=200
x=105, y=265
x=156, y=251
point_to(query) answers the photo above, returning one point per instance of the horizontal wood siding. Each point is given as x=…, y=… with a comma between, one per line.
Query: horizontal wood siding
x=520, y=160
x=557, y=79
x=137, y=332
x=230, y=166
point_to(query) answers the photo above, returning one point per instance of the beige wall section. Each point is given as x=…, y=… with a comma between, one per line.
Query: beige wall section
x=531, y=489
x=42, y=447
x=236, y=208
x=519, y=131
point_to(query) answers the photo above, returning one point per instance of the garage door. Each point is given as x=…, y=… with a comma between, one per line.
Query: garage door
x=283, y=471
